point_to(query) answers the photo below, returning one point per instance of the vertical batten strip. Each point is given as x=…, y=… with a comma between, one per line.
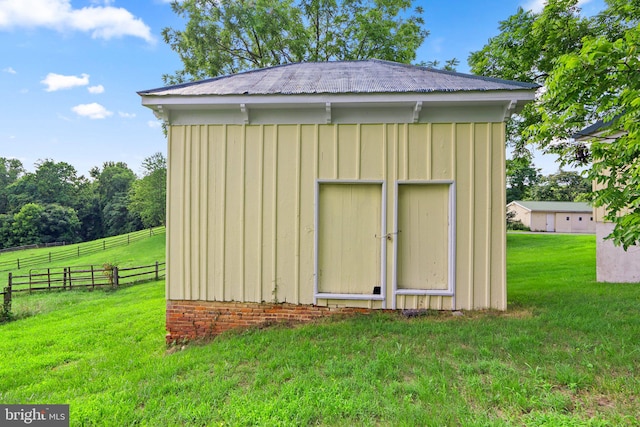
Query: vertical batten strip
x=472, y=213
x=358, y=150
x=169, y=216
x=454, y=136
x=186, y=235
x=205, y=214
x=452, y=206
x=316, y=171
x=503, y=229
x=406, y=151
x=488, y=252
x=261, y=210
x=385, y=159
x=274, y=219
x=429, y=155
x=195, y=214
x=296, y=265
x=336, y=156
x=394, y=178
x=202, y=212
x=243, y=189
x=223, y=213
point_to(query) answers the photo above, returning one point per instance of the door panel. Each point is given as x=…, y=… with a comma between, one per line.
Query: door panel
x=423, y=237
x=349, y=250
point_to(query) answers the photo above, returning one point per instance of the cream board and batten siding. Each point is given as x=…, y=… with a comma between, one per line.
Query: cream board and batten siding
x=242, y=209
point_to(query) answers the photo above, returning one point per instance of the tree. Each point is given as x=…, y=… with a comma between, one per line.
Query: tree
x=89, y=211
x=522, y=176
x=6, y=231
x=56, y=182
x=590, y=71
x=113, y=183
x=59, y=224
x=601, y=81
x=563, y=186
x=148, y=195
x=228, y=36
x=27, y=224
x=10, y=171
x=526, y=50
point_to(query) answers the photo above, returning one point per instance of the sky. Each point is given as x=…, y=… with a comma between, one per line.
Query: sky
x=70, y=70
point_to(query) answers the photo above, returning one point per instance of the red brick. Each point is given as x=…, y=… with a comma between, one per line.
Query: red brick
x=188, y=320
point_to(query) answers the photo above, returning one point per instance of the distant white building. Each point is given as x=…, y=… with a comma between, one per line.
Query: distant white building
x=560, y=217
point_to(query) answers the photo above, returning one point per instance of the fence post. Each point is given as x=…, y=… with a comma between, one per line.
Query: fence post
x=6, y=306
x=18, y=263
x=64, y=277
x=157, y=271
x=69, y=275
x=29, y=282
x=49, y=277
x=93, y=281
x=116, y=279
x=78, y=251
x=104, y=245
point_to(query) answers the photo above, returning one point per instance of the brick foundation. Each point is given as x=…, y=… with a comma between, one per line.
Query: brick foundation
x=189, y=320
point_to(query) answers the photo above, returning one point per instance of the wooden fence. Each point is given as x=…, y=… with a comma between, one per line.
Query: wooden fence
x=76, y=250
x=78, y=277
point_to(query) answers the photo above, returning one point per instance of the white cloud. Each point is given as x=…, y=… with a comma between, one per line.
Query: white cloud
x=96, y=89
x=436, y=44
x=93, y=111
x=55, y=81
x=126, y=115
x=536, y=6
x=154, y=124
x=9, y=70
x=103, y=22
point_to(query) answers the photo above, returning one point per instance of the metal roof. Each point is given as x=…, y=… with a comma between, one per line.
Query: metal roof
x=546, y=206
x=340, y=77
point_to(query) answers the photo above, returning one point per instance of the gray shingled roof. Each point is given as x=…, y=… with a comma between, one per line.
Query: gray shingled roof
x=341, y=77
x=544, y=206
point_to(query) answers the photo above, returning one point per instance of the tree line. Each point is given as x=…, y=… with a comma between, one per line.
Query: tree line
x=525, y=182
x=55, y=204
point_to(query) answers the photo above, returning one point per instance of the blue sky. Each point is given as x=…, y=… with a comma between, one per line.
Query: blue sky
x=70, y=70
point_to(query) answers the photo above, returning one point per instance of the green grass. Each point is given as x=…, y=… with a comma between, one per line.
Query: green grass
x=145, y=251
x=565, y=353
x=141, y=252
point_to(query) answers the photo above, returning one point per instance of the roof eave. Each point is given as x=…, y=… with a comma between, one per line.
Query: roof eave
x=517, y=98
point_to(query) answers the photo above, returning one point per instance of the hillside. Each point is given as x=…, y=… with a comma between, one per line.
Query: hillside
x=138, y=248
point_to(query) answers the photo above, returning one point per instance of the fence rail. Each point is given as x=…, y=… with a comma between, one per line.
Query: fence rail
x=78, y=250
x=35, y=246
x=77, y=277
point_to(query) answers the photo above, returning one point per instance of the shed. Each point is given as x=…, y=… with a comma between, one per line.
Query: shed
x=552, y=216
x=613, y=263
x=302, y=190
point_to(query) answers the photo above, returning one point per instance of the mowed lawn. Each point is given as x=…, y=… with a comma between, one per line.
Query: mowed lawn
x=567, y=352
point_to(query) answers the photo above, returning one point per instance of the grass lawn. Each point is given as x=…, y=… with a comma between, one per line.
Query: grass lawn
x=566, y=353
x=145, y=248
